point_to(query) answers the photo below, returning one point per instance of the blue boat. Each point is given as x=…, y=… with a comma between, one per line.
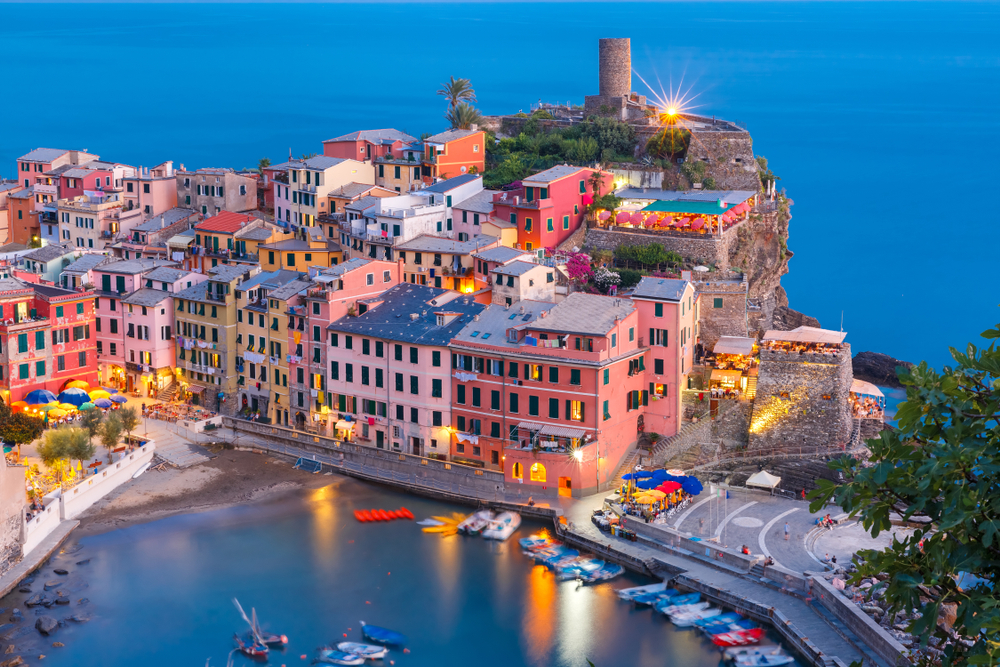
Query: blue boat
x=335, y=657
x=653, y=598
x=382, y=635
x=724, y=619
x=722, y=628
x=563, y=557
x=688, y=598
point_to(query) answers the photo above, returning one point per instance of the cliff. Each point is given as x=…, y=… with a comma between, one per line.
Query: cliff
x=878, y=368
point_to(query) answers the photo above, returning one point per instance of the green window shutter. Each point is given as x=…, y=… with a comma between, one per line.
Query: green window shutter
x=583, y=187
x=645, y=397
x=22, y=372
x=568, y=404
x=120, y=283
x=39, y=369
x=553, y=408
x=39, y=340
x=548, y=224
x=658, y=310
x=494, y=400
x=574, y=376
x=59, y=311
x=607, y=376
x=513, y=402
x=79, y=309
x=565, y=222
x=717, y=302
x=22, y=342
x=533, y=406
x=106, y=283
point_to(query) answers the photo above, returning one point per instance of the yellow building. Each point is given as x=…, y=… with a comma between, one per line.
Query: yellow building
x=206, y=324
x=261, y=342
x=442, y=262
x=278, y=306
x=231, y=238
x=311, y=248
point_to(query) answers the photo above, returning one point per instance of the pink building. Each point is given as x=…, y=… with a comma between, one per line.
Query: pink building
x=366, y=145
x=32, y=167
x=388, y=369
x=77, y=180
x=494, y=258
x=550, y=205
x=151, y=190
x=113, y=283
x=668, y=327
x=553, y=395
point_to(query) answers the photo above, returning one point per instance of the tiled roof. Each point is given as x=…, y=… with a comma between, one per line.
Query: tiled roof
x=134, y=266
x=12, y=247
x=256, y=234
x=49, y=252
x=352, y=190
x=44, y=154
x=225, y=273
x=363, y=204
x=501, y=254
x=288, y=290
x=27, y=193
x=450, y=135
x=553, y=174
x=516, y=268
x=225, y=222
x=392, y=320
x=346, y=267
x=299, y=245
x=669, y=289
x=271, y=279
x=12, y=285
x=88, y=262
x=78, y=172
x=481, y=202
x=429, y=243
x=165, y=219
x=452, y=183
x=146, y=297
x=585, y=314
x=374, y=136
x=496, y=319
x=166, y=274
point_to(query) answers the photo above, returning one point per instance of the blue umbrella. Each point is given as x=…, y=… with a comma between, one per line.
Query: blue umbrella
x=103, y=403
x=643, y=474
x=118, y=398
x=110, y=390
x=647, y=484
x=627, y=476
x=692, y=486
x=74, y=396
x=39, y=397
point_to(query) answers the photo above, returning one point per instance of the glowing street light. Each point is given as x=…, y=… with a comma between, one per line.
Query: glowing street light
x=672, y=111
x=578, y=454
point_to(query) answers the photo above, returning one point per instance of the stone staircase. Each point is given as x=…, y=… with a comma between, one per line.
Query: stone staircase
x=169, y=393
x=625, y=467
x=751, y=391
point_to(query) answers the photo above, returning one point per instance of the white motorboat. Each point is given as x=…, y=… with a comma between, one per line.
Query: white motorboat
x=737, y=652
x=630, y=593
x=476, y=523
x=676, y=609
x=369, y=651
x=686, y=620
x=764, y=659
x=503, y=526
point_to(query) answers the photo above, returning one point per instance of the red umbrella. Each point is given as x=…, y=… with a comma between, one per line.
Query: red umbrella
x=637, y=217
x=682, y=222
x=623, y=216
x=742, y=208
x=604, y=215
x=698, y=223
x=669, y=487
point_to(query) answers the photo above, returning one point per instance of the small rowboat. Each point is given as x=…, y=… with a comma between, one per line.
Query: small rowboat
x=738, y=637
x=635, y=591
x=476, y=523
x=382, y=635
x=675, y=609
x=764, y=659
x=335, y=657
x=686, y=620
x=368, y=651
x=503, y=526
x=254, y=649
x=744, y=651
x=534, y=542
x=727, y=618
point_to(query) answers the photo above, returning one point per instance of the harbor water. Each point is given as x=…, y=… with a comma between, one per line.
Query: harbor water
x=159, y=594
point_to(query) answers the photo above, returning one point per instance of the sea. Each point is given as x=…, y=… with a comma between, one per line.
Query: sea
x=879, y=118
x=160, y=594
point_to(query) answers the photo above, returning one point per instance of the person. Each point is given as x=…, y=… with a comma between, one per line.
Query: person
x=786, y=531
x=531, y=501
x=833, y=559
x=143, y=409
x=826, y=558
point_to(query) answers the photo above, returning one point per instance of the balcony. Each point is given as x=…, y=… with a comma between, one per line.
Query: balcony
x=219, y=298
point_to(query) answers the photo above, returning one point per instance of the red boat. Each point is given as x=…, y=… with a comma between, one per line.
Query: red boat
x=254, y=649
x=738, y=637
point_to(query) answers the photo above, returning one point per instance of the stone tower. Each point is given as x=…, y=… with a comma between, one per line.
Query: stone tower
x=615, y=72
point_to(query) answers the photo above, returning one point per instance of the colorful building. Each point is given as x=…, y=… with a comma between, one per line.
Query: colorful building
x=297, y=254
x=550, y=205
x=523, y=281
x=225, y=238
x=31, y=168
x=493, y=258
x=304, y=193
x=50, y=261
x=453, y=153
x=46, y=338
x=211, y=191
x=550, y=394
x=366, y=145
x=442, y=262
x=283, y=302
x=93, y=221
x=388, y=369
x=153, y=191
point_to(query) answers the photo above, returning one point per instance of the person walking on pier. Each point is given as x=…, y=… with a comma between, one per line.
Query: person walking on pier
x=786, y=531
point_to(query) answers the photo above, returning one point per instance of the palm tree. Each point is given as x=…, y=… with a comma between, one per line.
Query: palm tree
x=263, y=164
x=464, y=116
x=457, y=91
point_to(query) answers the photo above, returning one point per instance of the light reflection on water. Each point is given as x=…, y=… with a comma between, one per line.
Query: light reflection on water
x=161, y=592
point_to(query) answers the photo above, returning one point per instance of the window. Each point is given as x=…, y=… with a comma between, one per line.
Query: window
x=39, y=368
x=364, y=375
x=631, y=334
x=22, y=342
x=348, y=373
x=349, y=342
x=61, y=363
x=554, y=374
x=414, y=416
x=414, y=385
x=717, y=302
x=657, y=310
x=548, y=225
x=533, y=372
x=379, y=381
x=527, y=224
x=533, y=406
x=553, y=408
x=574, y=376
x=59, y=311
x=583, y=187
x=436, y=388
x=537, y=472
x=658, y=366
x=513, y=402
x=575, y=411
x=398, y=352
x=436, y=358
x=399, y=382
x=607, y=376
x=475, y=397
x=614, y=340
x=22, y=372
x=607, y=412
x=39, y=340
x=365, y=342
x=334, y=370
x=413, y=355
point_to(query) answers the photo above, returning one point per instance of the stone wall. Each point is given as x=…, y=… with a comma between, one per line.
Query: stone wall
x=12, y=503
x=615, y=62
x=731, y=426
x=729, y=156
x=801, y=402
x=871, y=428
x=729, y=318
x=694, y=404
x=703, y=249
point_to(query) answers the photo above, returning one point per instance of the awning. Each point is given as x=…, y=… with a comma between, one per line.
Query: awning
x=530, y=426
x=807, y=335
x=734, y=345
x=343, y=425
x=195, y=389
x=764, y=479
x=866, y=388
x=726, y=376
x=562, y=432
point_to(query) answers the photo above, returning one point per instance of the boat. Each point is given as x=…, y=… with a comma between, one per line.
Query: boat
x=476, y=523
x=677, y=601
x=738, y=637
x=255, y=649
x=540, y=555
x=382, y=635
x=606, y=571
x=635, y=591
x=430, y=522
x=720, y=628
x=654, y=598
x=537, y=541
x=503, y=526
x=734, y=653
x=763, y=659
x=335, y=657
x=728, y=617
x=144, y=468
x=565, y=557
x=686, y=620
x=578, y=567
x=368, y=651
x=675, y=609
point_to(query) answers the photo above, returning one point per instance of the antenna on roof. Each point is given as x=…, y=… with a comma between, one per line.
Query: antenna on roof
x=841, y=321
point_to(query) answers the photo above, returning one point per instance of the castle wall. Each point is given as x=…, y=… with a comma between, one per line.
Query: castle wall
x=731, y=426
x=729, y=318
x=702, y=249
x=729, y=156
x=615, y=62
x=801, y=401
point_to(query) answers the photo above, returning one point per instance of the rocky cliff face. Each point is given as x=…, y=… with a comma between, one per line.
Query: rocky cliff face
x=878, y=368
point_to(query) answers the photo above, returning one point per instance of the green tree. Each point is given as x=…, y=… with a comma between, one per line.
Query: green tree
x=457, y=91
x=613, y=137
x=669, y=143
x=110, y=433
x=78, y=444
x=766, y=175
x=19, y=428
x=91, y=421
x=263, y=164
x=129, y=418
x=463, y=116
x=941, y=466
x=53, y=450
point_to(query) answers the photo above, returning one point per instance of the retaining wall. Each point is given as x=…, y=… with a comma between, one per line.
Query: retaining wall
x=43, y=523
x=74, y=501
x=860, y=623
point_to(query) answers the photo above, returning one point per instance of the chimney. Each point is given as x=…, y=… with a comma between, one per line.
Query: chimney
x=169, y=164
x=182, y=166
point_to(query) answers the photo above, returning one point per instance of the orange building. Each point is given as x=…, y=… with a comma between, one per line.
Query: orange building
x=24, y=223
x=453, y=153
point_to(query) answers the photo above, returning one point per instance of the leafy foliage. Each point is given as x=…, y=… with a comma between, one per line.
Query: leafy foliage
x=61, y=444
x=629, y=277
x=129, y=418
x=91, y=421
x=696, y=171
x=766, y=175
x=669, y=143
x=650, y=255
x=578, y=267
x=111, y=432
x=942, y=467
x=463, y=116
x=263, y=164
x=18, y=428
x=457, y=91
x=605, y=279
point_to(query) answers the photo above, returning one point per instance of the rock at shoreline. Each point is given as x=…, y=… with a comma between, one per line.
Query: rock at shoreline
x=24, y=589
x=83, y=562
x=786, y=319
x=13, y=662
x=878, y=368
x=59, y=570
x=46, y=624
x=79, y=618
x=38, y=599
x=15, y=615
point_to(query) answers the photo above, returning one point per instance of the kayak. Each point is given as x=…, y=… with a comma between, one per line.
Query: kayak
x=382, y=635
x=738, y=637
x=368, y=651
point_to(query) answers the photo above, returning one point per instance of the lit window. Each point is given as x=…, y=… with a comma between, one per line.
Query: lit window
x=537, y=472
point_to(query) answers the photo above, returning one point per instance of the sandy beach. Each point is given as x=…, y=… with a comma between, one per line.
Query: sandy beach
x=231, y=477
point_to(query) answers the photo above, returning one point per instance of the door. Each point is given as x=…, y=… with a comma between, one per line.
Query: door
x=566, y=487
x=417, y=447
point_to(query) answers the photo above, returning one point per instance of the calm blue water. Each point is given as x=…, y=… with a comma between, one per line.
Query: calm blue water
x=160, y=593
x=880, y=118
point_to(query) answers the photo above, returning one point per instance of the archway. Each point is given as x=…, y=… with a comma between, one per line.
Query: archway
x=300, y=420
x=518, y=471
x=537, y=472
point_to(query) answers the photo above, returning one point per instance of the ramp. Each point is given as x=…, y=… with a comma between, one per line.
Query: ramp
x=309, y=465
